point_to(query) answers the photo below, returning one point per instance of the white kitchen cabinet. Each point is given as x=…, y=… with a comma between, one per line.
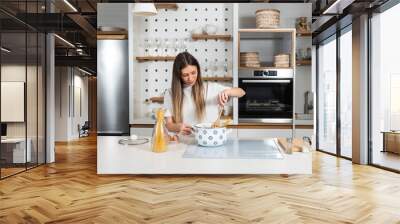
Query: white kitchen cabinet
x=233, y=133
x=249, y=133
x=300, y=133
x=275, y=133
x=264, y=133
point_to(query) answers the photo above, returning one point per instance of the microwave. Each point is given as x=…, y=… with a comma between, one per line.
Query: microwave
x=268, y=99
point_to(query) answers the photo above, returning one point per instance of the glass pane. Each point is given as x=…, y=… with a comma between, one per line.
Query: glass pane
x=385, y=84
x=327, y=97
x=31, y=100
x=41, y=98
x=13, y=88
x=346, y=94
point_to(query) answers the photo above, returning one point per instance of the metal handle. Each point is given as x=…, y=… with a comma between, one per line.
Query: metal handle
x=266, y=81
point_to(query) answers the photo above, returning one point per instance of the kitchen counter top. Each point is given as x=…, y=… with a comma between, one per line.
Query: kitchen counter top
x=113, y=158
x=300, y=124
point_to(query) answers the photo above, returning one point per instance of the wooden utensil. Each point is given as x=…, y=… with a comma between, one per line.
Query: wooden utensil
x=217, y=122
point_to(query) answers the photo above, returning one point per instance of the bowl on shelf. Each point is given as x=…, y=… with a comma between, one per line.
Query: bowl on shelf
x=197, y=31
x=210, y=29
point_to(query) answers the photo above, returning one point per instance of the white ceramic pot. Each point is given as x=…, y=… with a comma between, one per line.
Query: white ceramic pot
x=208, y=136
x=210, y=29
x=198, y=30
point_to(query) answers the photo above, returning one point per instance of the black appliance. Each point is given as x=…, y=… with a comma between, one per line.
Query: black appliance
x=269, y=98
x=3, y=129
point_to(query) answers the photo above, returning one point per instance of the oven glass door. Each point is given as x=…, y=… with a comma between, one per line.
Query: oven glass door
x=266, y=98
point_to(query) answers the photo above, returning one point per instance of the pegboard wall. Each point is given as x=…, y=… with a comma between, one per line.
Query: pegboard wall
x=152, y=78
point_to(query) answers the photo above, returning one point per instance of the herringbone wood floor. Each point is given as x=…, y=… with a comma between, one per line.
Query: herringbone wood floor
x=69, y=191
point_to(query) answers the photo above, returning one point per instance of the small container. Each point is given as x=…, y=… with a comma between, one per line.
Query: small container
x=210, y=29
x=267, y=18
x=301, y=24
x=309, y=53
x=197, y=30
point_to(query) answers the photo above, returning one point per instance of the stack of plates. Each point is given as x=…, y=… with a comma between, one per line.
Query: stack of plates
x=282, y=61
x=249, y=59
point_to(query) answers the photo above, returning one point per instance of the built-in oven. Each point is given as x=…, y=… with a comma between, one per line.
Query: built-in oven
x=269, y=97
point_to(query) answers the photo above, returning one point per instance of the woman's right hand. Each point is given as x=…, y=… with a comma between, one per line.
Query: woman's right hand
x=185, y=129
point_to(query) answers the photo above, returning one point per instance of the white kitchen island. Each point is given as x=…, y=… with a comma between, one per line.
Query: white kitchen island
x=114, y=158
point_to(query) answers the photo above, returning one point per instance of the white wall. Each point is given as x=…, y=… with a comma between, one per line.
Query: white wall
x=112, y=14
x=159, y=74
x=17, y=73
x=289, y=13
x=67, y=114
x=62, y=81
x=34, y=124
x=79, y=117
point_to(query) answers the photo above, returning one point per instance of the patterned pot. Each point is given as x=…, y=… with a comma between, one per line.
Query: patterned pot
x=208, y=136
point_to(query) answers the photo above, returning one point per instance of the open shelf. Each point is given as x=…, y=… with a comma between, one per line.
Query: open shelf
x=262, y=68
x=303, y=62
x=155, y=99
x=225, y=37
x=222, y=79
x=155, y=58
x=172, y=6
x=264, y=65
x=303, y=34
x=248, y=34
x=112, y=35
x=284, y=37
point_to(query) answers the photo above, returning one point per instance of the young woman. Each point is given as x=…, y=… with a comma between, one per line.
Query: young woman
x=190, y=101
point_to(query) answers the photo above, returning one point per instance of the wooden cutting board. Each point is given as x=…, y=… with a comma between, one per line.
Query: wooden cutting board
x=298, y=145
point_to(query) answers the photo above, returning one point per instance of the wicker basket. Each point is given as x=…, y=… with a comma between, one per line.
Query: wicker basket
x=267, y=18
x=282, y=60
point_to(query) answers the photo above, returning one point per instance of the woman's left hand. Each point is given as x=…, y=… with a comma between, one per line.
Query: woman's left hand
x=223, y=97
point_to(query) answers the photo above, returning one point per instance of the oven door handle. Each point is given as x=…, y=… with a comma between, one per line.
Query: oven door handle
x=266, y=81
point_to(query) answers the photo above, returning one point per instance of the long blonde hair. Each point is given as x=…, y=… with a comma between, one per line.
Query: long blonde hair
x=181, y=61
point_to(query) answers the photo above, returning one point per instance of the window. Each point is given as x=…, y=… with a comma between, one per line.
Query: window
x=385, y=89
x=22, y=77
x=327, y=96
x=346, y=93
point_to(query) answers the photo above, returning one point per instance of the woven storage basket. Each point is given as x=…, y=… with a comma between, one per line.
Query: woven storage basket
x=267, y=18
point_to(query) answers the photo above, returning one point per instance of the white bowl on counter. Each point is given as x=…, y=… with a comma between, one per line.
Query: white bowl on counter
x=210, y=137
